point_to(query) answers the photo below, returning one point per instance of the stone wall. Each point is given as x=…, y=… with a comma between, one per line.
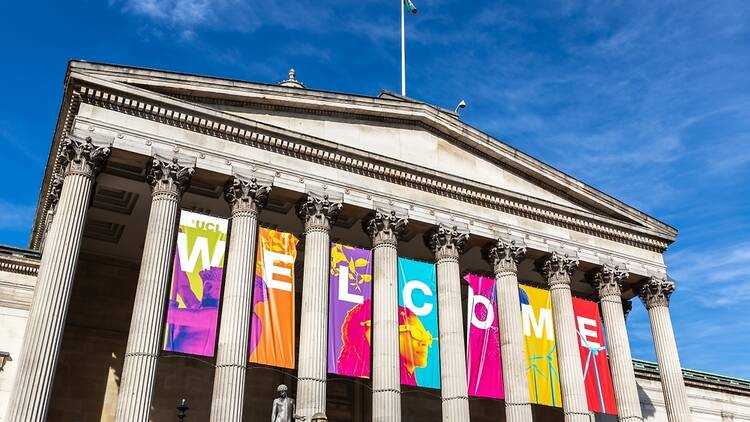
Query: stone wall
x=17, y=279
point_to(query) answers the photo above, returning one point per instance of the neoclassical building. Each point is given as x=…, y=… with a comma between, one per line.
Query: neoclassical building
x=134, y=149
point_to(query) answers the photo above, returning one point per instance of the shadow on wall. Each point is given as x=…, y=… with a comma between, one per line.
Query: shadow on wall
x=647, y=406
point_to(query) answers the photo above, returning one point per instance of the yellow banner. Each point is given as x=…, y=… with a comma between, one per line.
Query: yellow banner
x=541, y=351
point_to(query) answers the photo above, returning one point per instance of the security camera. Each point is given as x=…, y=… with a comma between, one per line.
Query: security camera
x=460, y=105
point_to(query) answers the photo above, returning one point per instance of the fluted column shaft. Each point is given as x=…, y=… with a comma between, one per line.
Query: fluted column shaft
x=168, y=181
x=608, y=282
x=504, y=257
x=29, y=400
x=655, y=295
x=446, y=244
x=558, y=270
x=318, y=214
x=246, y=198
x=384, y=230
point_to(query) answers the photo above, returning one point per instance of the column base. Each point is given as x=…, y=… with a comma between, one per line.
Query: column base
x=578, y=417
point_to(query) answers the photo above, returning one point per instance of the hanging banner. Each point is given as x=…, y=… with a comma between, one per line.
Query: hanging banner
x=198, y=269
x=484, y=362
x=272, y=329
x=350, y=311
x=541, y=351
x=418, y=323
x=599, y=390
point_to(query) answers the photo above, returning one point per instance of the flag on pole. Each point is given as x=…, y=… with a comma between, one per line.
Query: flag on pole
x=410, y=6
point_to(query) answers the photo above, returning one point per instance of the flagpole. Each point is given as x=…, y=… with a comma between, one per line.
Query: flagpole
x=403, y=51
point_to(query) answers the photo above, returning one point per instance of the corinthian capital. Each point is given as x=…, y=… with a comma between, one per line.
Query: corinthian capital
x=504, y=255
x=82, y=157
x=655, y=291
x=55, y=189
x=168, y=176
x=384, y=227
x=445, y=242
x=608, y=280
x=557, y=268
x=246, y=195
x=318, y=212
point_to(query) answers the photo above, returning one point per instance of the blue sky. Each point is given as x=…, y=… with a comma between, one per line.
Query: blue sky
x=647, y=101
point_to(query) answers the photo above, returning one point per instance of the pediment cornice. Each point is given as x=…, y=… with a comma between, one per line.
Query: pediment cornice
x=180, y=112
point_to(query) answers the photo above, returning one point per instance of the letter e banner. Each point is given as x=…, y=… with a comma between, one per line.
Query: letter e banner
x=272, y=329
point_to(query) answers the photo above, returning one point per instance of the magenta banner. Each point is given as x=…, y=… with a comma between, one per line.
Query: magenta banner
x=193, y=308
x=484, y=362
x=349, y=311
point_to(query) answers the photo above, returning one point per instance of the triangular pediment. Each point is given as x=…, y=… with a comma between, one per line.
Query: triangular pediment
x=405, y=134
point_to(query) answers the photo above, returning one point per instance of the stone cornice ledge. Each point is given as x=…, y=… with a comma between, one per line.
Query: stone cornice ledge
x=17, y=265
x=199, y=119
x=203, y=89
x=248, y=132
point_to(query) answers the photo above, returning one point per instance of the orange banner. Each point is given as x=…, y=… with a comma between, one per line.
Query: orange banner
x=272, y=333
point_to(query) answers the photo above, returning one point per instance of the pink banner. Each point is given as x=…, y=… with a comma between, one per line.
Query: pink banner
x=484, y=362
x=198, y=270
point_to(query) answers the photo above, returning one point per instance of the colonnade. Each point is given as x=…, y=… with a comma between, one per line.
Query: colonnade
x=169, y=178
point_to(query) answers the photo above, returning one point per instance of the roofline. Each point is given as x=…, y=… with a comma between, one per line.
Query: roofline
x=698, y=378
x=433, y=117
x=391, y=99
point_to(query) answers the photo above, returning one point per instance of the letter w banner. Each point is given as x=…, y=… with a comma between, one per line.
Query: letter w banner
x=272, y=328
x=193, y=307
x=599, y=390
x=350, y=311
x=541, y=349
x=418, y=324
x=484, y=362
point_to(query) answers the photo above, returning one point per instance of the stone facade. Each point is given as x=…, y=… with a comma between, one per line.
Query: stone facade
x=398, y=175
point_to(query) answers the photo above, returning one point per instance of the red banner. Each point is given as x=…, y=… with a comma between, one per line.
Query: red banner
x=599, y=391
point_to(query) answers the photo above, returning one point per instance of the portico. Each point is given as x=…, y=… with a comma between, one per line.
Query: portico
x=393, y=174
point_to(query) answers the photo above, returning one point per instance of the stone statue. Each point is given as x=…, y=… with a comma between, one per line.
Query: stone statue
x=283, y=407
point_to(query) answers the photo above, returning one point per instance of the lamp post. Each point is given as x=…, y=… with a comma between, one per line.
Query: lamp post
x=182, y=409
x=319, y=417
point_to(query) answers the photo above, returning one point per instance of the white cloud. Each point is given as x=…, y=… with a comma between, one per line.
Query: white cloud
x=718, y=275
x=230, y=15
x=15, y=217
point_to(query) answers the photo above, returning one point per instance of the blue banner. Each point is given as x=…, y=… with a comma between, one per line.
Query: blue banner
x=418, y=324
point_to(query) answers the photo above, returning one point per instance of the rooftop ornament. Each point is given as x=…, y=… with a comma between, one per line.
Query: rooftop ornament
x=292, y=81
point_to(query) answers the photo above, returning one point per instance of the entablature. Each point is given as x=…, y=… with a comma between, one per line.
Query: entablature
x=544, y=225
x=295, y=173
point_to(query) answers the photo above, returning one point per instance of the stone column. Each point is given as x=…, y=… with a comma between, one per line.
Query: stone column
x=504, y=256
x=655, y=294
x=245, y=197
x=168, y=180
x=384, y=230
x=318, y=214
x=557, y=270
x=608, y=282
x=80, y=162
x=447, y=243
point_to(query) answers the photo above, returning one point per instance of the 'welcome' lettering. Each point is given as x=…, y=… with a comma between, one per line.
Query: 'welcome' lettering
x=409, y=288
x=272, y=270
x=188, y=259
x=541, y=326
